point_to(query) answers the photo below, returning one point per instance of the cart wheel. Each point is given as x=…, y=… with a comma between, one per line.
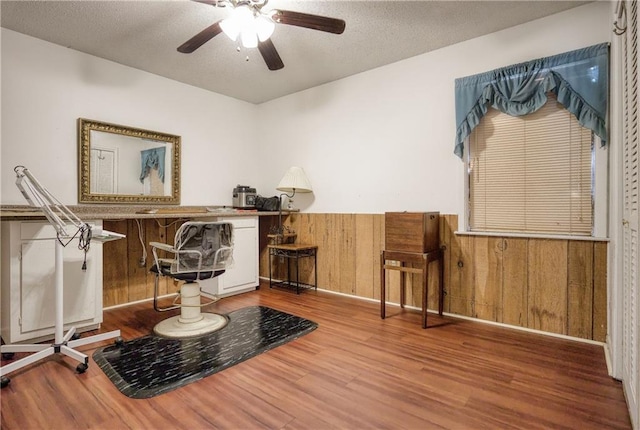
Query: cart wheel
x=81, y=368
x=4, y=381
x=8, y=355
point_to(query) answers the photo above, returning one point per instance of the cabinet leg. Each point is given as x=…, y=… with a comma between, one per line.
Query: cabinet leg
x=441, y=284
x=315, y=270
x=382, y=287
x=425, y=292
x=270, y=275
x=403, y=286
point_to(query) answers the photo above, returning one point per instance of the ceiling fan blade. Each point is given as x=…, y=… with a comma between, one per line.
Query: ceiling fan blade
x=270, y=55
x=306, y=20
x=200, y=39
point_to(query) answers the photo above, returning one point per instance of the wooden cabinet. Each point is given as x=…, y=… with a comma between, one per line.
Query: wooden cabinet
x=27, y=309
x=243, y=276
x=411, y=231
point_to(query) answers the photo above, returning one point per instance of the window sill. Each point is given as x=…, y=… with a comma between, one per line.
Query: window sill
x=531, y=236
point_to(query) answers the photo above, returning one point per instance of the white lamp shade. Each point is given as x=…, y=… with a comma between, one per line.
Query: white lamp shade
x=295, y=180
x=249, y=38
x=231, y=28
x=264, y=27
x=241, y=20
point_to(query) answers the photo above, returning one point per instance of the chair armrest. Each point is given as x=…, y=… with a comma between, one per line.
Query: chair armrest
x=162, y=246
x=224, y=258
x=155, y=246
x=191, y=253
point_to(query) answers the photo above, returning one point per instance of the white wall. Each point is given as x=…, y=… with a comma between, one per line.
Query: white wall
x=383, y=140
x=374, y=142
x=46, y=88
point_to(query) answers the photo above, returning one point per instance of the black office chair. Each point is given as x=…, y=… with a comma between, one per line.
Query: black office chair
x=201, y=250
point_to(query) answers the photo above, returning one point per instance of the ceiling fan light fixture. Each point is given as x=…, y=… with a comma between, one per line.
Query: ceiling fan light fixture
x=249, y=38
x=255, y=27
x=240, y=19
x=264, y=27
x=230, y=28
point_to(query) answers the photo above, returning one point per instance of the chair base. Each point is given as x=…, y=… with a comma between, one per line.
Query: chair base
x=175, y=327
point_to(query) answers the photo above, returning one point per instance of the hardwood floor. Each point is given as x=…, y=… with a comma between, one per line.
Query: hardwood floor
x=355, y=371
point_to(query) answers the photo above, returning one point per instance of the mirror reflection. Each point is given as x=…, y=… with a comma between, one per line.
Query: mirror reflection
x=127, y=165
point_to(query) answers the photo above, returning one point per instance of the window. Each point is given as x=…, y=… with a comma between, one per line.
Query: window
x=531, y=173
x=537, y=170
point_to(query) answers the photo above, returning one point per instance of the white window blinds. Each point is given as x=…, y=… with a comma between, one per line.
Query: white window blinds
x=531, y=173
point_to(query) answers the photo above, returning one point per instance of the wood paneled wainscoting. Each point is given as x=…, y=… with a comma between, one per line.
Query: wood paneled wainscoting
x=553, y=285
x=557, y=286
x=126, y=277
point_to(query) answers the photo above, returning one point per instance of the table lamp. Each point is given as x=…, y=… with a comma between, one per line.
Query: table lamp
x=294, y=181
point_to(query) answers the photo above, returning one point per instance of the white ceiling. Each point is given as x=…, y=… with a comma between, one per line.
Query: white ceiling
x=145, y=35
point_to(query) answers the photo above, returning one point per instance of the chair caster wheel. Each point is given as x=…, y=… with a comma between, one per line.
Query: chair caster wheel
x=75, y=336
x=119, y=341
x=8, y=355
x=81, y=368
x=4, y=381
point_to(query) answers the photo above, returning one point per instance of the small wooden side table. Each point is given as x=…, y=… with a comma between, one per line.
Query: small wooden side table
x=422, y=259
x=293, y=251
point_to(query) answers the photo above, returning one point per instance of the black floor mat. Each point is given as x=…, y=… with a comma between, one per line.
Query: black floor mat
x=152, y=365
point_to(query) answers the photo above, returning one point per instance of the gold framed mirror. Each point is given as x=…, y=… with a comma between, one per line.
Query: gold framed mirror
x=120, y=164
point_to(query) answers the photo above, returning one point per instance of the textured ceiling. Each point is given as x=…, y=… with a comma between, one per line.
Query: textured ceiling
x=145, y=35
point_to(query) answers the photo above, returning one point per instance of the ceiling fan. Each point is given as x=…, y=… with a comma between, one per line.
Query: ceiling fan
x=255, y=26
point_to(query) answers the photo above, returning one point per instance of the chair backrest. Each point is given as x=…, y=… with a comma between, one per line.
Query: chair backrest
x=203, y=246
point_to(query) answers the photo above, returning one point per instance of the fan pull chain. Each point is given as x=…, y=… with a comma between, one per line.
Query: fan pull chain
x=245, y=58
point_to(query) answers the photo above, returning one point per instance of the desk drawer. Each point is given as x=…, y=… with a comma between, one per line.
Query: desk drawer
x=242, y=222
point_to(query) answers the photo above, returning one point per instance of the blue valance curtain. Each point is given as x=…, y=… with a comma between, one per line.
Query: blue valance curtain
x=578, y=78
x=152, y=159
